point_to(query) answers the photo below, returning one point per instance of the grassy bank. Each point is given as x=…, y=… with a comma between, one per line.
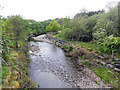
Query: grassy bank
x=108, y=76
x=86, y=45
x=14, y=54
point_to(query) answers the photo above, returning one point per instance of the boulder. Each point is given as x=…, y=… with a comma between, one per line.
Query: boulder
x=117, y=70
x=117, y=65
x=119, y=61
x=116, y=59
x=108, y=61
x=109, y=66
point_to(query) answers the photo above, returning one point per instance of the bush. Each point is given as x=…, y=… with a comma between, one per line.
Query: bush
x=110, y=43
x=69, y=48
x=53, y=26
x=68, y=34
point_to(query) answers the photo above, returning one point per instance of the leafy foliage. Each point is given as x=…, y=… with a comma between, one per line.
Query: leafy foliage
x=53, y=26
x=13, y=57
x=14, y=28
x=96, y=27
x=110, y=43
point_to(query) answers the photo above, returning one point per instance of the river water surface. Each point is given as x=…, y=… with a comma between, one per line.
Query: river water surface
x=51, y=69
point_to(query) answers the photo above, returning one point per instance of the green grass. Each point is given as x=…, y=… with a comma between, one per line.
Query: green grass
x=5, y=71
x=92, y=47
x=69, y=48
x=83, y=44
x=117, y=55
x=107, y=75
x=86, y=45
x=60, y=35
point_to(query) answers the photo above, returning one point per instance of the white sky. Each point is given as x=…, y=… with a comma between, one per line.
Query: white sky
x=40, y=10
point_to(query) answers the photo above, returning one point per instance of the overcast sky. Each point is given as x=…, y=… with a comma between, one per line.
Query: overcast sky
x=40, y=10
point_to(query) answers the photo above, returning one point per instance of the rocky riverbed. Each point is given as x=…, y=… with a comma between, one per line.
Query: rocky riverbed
x=51, y=69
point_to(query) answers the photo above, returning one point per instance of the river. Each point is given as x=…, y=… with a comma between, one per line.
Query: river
x=51, y=69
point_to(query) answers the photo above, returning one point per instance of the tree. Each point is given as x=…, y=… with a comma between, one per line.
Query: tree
x=78, y=25
x=53, y=26
x=14, y=28
x=113, y=22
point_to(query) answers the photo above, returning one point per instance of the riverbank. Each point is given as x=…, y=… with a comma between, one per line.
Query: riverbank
x=102, y=64
x=15, y=68
x=52, y=62
x=82, y=59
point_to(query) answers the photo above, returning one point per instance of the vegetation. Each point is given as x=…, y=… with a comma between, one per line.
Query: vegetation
x=53, y=26
x=14, y=53
x=97, y=27
x=93, y=30
x=96, y=32
x=110, y=77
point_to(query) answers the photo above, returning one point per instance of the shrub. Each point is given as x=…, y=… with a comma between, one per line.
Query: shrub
x=109, y=43
x=69, y=48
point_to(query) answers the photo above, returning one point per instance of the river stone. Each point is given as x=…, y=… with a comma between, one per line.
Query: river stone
x=117, y=65
x=117, y=70
x=119, y=61
x=105, y=55
x=30, y=52
x=34, y=48
x=116, y=59
x=108, y=61
x=103, y=63
x=100, y=57
x=92, y=53
x=109, y=66
x=96, y=56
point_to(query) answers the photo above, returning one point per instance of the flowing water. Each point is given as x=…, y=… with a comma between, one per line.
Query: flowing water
x=51, y=69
